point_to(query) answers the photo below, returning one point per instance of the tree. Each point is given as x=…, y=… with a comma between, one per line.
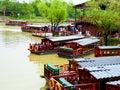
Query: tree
x=4, y=6
x=105, y=17
x=36, y=10
x=107, y=21
x=26, y=10
x=54, y=10
x=15, y=8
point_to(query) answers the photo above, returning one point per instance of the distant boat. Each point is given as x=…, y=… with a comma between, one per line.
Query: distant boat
x=16, y=22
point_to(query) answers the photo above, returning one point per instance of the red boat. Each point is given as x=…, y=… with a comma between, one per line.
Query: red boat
x=51, y=45
x=79, y=48
x=101, y=51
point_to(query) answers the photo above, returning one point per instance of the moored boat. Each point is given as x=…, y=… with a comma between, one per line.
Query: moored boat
x=79, y=48
x=75, y=63
x=101, y=51
x=51, y=45
x=17, y=22
x=38, y=30
x=91, y=74
x=113, y=85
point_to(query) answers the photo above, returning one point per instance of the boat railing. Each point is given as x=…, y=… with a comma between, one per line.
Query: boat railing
x=88, y=51
x=51, y=71
x=70, y=83
x=87, y=86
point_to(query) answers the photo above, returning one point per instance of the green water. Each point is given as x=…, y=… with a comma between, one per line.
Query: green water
x=19, y=69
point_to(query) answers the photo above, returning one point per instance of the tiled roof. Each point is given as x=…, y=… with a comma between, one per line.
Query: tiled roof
x=114, y=82
x=98, y=61
x=72, y=37
x=109, y=47
x=19, y=20
x=87, y=41
x=103, y=72
x=36, y=25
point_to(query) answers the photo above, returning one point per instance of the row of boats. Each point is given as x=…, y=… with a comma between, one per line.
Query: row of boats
x=73, y=46
x=99, y=73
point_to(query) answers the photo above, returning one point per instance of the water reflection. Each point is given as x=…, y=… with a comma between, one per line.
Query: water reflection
x=21, y=70
x=50, y=58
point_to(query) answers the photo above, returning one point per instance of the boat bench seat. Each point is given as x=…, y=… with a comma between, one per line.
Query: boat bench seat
x=66, y=49
x=53, y=68
x=64, y=82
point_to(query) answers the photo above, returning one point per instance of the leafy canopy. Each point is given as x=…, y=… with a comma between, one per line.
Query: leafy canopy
x=105, y=15
x=54, y=10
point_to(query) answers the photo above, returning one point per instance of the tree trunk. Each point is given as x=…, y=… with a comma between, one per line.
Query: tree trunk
x=54, y=30
x=105, y=37
x=105, y=40
x=4, y=12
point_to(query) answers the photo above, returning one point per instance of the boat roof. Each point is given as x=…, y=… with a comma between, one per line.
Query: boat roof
x=108, y=47
x=87, y=41
x=104, y=72
x=65, y=38
x=18, y=20
x=114, y=83
x=37, y=26
x=98, y=61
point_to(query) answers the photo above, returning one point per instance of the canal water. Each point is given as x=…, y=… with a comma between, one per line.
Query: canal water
x=19, y=69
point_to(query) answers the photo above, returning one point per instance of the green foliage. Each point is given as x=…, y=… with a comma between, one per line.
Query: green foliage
x=17, y=9
x=113, y=41
x=26, y=9
x=54, y=10
x=4, y=5
x=107, y=18
x=36, y=10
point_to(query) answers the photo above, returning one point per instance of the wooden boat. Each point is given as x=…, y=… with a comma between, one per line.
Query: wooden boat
x=41, y=31
x=75, y=63
x=79, y=48
x=101, y=51
x=16, y=22
x=24, y=28
x=100, y=75
x=90, y=74
x=67, y=82
x=38, y=30
x=51, y=45
x=113, y=85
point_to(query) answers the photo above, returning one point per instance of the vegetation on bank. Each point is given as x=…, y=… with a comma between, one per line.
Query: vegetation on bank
x=31, y=10
x=105, y=14
x=113, y=41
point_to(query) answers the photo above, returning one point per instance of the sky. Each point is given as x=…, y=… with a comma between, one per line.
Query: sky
x=74, y=1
